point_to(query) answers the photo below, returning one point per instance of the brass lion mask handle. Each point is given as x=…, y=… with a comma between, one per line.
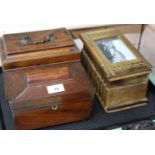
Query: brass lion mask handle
x=26, y=40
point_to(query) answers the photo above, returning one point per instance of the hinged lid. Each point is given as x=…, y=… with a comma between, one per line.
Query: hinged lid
x=114, y=55
x=25, y=49
x=34, y=41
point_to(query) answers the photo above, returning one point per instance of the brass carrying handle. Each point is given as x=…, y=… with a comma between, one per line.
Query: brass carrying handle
x=26, y=40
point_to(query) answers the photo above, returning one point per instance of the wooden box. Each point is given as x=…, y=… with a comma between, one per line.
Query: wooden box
x=118, y=71
x=45, y=82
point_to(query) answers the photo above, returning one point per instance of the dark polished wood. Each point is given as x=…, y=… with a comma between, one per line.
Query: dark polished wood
x=30, y=69
x=61, y=48
x=31, y=103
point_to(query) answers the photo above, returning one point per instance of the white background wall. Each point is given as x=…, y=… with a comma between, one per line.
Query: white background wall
x=147, y=46
x=27, y=15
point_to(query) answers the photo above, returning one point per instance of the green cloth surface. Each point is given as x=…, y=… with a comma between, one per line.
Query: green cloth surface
x=152, y=78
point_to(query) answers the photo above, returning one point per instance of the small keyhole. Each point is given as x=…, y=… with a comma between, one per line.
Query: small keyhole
x=54, y=108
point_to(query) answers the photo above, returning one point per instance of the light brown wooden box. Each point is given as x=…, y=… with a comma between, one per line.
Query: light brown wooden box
x=120, y=85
